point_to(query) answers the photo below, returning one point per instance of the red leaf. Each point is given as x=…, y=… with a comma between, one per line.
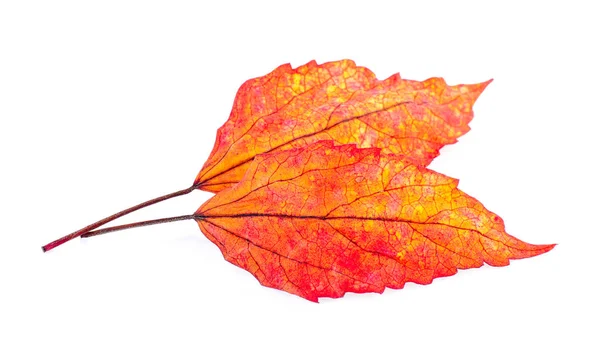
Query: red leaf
x=323, y=220
x=319, y=220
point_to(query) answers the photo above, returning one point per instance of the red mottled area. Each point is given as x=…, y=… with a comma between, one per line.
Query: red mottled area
x=342, y=102
x=323, y=220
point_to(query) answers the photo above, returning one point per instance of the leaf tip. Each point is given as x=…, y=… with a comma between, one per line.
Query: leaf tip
x=484, y=85
x=547, y=248
x=477, y=88
x=535, y=250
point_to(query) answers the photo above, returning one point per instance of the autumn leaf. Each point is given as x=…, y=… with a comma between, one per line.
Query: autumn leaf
x=323, y=220
x=306, y=208
x=341, y=102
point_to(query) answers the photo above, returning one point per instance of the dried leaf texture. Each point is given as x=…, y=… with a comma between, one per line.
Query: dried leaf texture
x=337, y=101
x=323, y=220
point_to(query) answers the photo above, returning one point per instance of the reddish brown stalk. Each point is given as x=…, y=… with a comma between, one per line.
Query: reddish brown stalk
x=92, y=226
x=137, y=224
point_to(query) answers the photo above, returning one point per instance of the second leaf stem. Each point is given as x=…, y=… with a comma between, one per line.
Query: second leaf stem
x=137, y=224
x=105, y=220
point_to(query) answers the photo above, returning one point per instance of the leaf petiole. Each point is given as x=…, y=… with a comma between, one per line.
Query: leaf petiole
x=138, y=224
x=105, y=220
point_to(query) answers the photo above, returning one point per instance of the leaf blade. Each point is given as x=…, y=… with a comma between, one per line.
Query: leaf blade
x=345, y=219
x=337, y=101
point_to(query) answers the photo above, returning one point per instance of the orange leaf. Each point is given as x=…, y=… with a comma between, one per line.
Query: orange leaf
x=323, y=220
x=341, y=102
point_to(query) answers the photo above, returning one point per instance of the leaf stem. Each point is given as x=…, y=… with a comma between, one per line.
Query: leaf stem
x=105, y=220
x=137, y=224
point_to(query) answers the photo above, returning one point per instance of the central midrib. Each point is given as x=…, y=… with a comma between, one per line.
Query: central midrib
x=315, y=217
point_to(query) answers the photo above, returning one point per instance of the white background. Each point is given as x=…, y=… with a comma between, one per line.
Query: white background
x=106, y=104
